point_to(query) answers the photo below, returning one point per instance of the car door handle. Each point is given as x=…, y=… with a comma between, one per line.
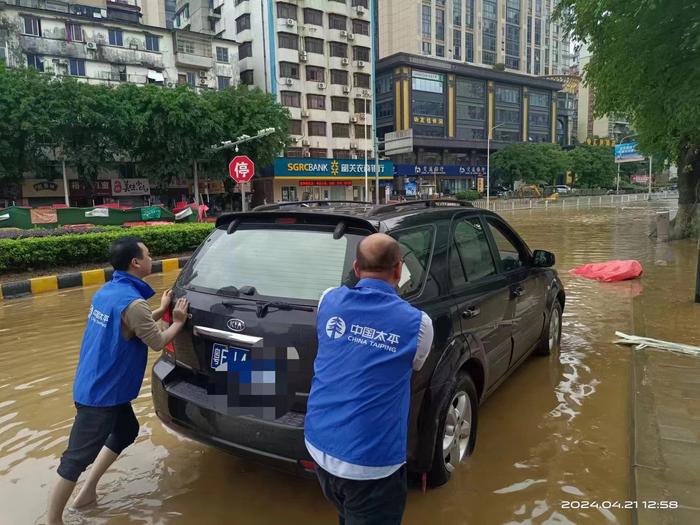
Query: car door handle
x=517, y=291
x=471, y=312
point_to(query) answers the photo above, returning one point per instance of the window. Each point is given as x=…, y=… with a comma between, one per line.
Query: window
x=360, y=105
x=469, y=14
x=223, y=82
x=295, y=127
x=76, y=67
x=457, y=12
x=315, y=74
x=360, y=53
x=385, y=109
x=313, y=45
x=285, y=10
x=32, y=25
x=222, y=54
x=440, y=25
x=416, y=248
x=340, y=104
x=471, y=112
x=313, y=17
x=360, y=3
x=191, y=79
x=247, y=77
x=360, y=27
x=339, y=77
x=361, y=80
x=74, y=32
x=337, y=22
x=507, y=95
x=342, y=154
x=291, y=99
x=457, y=44
x=116, y=37
x=428, y=82
x=470, y=255
x=469, y=55
x=510, y=256
x=384, y=85
x=471, y=88
x=538, y=120
x=152, y=43
x=245, y=50
x=242, y=23
x=288, y=41
x=317, y=129
x=440, y=50
x=338, y=49
x=316, y=102
x=341, y=130
x=289, y=70
x=185, y=46
x=507, y=116
x=289, y=193
x=427, y=21
x=360, y=131
x=538, y=99
x=317, y=153
x=426, y=48
x=36, y=62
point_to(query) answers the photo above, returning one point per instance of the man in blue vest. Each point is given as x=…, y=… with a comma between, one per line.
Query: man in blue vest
x=356, y=428
x=120, y=328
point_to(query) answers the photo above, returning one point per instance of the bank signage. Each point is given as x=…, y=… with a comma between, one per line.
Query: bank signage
x=442, y=170
x=305, y=168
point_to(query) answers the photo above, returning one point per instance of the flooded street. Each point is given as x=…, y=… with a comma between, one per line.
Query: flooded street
x=557, y=430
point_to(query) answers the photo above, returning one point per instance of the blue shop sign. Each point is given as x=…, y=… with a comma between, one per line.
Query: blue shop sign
x=306, y=168
x=429, y=170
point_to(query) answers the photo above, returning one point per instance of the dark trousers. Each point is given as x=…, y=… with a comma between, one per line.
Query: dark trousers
x=94, y=427
x=370, y=502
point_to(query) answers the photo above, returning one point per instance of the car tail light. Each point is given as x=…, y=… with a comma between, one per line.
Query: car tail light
x=167, y=320
x=307, y=465
x=286, y=220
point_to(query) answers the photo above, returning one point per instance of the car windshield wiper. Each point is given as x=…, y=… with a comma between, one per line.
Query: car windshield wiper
x=229, y=291
x=263, y=307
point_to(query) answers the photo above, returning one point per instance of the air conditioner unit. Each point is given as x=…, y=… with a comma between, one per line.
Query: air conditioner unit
x=307, y=154
x=360, y=10
x=203, y=81
x=321, y=85
x=353, y=120
x=290, y=22
x=360, y=64
x=304, y=113
x=303, y=56
x=344, y=34
x=346, y=89
x=91, y=45
x=351, y=37
x=305, y=143
x=345, y=62
x=202, y=74
x=353, y=145
x=288, y=81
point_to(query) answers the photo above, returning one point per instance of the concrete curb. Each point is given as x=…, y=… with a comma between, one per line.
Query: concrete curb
x=50, y=283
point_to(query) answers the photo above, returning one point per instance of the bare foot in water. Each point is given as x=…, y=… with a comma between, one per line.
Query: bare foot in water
x=86, y=496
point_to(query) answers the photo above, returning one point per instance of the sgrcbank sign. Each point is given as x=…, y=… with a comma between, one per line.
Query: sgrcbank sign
x=305, y=168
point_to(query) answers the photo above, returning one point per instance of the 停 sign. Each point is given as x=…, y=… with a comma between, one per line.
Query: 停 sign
x=241, y=169
x=130, y=187
x=627, y=153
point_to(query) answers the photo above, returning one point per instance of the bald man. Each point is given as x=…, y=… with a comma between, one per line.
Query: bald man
x=356, y=428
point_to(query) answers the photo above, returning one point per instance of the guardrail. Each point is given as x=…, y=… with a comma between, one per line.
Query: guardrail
x=600, y=201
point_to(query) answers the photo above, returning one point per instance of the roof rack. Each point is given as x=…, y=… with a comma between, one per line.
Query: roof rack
x=435, y=203
x=310, y=204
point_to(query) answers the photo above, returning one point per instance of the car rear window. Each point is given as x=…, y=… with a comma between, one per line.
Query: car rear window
x=285, y=263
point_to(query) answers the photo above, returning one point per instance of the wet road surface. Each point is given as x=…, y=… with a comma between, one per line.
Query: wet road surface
x=557, y=430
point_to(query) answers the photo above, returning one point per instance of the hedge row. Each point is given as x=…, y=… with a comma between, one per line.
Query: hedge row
x=18, y=255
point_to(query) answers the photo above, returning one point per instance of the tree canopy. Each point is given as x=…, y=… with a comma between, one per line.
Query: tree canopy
x=533, y=163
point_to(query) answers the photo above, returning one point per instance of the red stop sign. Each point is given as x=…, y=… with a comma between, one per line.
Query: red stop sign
x=241, y=169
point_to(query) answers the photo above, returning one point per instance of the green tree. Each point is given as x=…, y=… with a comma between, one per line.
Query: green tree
x=533, y=163
x=593, y=166
x=645, y=64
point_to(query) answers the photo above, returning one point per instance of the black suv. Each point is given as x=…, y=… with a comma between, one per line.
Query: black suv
x=239, y=375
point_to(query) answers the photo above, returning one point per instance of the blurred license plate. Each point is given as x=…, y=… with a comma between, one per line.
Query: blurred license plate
x=226, y=358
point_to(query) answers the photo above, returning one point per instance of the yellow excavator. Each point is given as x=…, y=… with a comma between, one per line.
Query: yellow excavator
x=528, y=191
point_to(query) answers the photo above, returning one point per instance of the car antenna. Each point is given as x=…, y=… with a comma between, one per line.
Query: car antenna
x=339, y=230
x=233, y=226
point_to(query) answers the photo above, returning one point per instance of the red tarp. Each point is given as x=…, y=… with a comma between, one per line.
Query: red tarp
x=610, y=271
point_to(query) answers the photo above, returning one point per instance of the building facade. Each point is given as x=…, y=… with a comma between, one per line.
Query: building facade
x=451, y=110
x=316, y=58
x=516, y=35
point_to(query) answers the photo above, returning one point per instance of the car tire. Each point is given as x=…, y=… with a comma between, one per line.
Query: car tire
x=458, y=417
x=550, y=344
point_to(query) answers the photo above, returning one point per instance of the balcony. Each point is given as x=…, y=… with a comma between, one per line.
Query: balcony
x=193, y=50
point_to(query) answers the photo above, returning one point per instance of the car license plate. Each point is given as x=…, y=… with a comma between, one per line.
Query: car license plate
x=226, y=358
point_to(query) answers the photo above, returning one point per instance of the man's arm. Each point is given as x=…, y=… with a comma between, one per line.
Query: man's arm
x=165, y=300
x=139, y=319
x=425, y=342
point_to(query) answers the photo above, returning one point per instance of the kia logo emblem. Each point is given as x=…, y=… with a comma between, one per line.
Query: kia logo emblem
x=236, y=325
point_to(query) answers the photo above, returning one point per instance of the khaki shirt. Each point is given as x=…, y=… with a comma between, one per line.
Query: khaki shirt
x=137, y=320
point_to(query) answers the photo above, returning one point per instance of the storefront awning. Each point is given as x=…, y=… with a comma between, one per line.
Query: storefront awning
x=156, y=76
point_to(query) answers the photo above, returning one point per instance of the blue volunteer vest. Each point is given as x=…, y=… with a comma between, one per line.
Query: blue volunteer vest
x=110, y=370
x=360, y=395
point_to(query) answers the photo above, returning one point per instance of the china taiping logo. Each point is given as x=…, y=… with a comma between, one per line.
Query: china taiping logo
x=335, y=328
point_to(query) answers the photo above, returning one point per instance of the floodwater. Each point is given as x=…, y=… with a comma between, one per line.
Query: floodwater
x=557, y=430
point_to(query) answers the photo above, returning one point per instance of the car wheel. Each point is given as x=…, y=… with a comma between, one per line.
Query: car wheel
x=457, y=430
x=550, y=344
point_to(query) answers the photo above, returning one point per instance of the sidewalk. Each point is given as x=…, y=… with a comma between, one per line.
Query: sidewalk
x=666, y=439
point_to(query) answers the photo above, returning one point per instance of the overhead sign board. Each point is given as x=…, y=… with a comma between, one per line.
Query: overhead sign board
x=627, y=153
x=398, y=142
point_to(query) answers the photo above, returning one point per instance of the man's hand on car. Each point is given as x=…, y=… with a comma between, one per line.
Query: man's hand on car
x=180, y=310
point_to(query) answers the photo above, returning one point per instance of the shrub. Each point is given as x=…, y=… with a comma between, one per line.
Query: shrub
x=469, y=195
x=26, y=254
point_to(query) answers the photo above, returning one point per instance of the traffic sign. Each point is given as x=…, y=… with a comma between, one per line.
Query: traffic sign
x=241, y=169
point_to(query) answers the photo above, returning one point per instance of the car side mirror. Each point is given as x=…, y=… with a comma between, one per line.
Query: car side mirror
x=543, y=259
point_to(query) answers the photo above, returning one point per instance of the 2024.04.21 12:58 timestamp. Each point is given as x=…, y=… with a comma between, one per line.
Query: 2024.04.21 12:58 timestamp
x=620, y=504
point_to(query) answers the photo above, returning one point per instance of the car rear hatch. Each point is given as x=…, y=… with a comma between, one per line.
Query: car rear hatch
x=253, y=288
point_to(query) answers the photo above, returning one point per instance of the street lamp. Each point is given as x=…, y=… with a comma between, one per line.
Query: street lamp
x=488, y=165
